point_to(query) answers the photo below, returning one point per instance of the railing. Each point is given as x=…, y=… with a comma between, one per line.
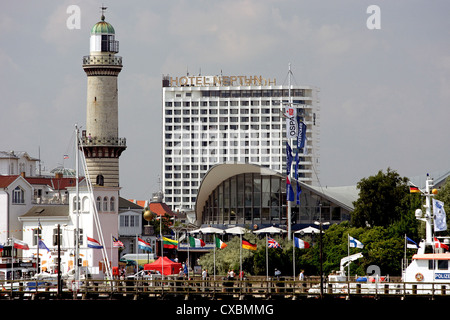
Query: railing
x=102, y=60
x=94, y=141
x=249, y=288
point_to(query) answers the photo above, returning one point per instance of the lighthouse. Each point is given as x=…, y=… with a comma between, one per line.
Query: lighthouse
x=102, y=145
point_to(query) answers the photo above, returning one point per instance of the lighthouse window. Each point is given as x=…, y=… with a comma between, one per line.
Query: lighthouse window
x=105, y=43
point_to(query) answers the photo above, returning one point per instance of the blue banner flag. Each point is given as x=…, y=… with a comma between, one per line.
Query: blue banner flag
x=301, y=138
x=289, y=190
x=288, y=158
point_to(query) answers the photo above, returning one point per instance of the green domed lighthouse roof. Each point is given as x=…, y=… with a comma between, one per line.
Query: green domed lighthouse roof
x=102, y=27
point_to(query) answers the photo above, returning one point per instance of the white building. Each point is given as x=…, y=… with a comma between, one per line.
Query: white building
x=17, y=162
x=208, y=120
x=43, y=220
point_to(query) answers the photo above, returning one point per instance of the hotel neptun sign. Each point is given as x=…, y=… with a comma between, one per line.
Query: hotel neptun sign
x=220, y=81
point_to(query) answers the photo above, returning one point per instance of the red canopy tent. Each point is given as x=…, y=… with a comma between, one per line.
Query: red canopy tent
x=170, y=267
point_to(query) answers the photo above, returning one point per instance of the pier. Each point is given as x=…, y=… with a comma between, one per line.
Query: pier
x=252, y=288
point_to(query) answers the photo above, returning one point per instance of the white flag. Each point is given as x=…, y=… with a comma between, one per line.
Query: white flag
x=440, y=218
x=355, y=243
x=291, y=122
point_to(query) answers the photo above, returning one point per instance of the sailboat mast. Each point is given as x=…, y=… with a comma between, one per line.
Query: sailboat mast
x=77, y=208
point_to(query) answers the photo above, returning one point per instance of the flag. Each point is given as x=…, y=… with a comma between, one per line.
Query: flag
x=291, y=124
x=271, y=243
x=117, y=242
x=1, y=247
x=440, y=218
x=66, y=156
x=299, y=243
x=413, y=189
x=169, y=243
x=411, y=244
x=94, y=244
x=288, y=158
x=299, y=191
x=289, y=190
x=19, y=244
x=355, y=243
x=438, y=244
x=42, y=245
x=248, y=245
x=144, y=245
x=196, y=243
x=220, y=244
x=301, y=138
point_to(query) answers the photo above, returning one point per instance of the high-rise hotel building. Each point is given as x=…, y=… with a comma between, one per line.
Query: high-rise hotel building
x=209, y=120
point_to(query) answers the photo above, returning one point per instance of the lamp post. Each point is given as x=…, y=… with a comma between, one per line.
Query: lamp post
x=320, y=223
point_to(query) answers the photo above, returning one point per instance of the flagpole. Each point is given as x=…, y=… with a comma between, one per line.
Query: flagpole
x=77, y=202
x=215, y=257
x=293, y=257
x=348, y=254
x=267, y=260
x=290, y=142
x=240, y=253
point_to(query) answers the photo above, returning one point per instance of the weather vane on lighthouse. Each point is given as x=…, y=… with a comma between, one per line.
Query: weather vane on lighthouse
x=103, y=11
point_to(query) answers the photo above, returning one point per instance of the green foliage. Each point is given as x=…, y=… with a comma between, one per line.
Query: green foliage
x=381, y=199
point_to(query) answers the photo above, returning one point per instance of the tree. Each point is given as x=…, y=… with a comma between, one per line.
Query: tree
x=381, y=200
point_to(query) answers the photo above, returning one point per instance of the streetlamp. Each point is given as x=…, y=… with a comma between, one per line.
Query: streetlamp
x=320, y=224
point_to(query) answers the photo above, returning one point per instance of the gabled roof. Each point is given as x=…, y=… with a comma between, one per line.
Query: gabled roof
x=53, y=182
x=5, y=181
x=160, y=208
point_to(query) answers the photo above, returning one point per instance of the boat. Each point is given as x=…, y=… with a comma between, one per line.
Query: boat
x=428, y=273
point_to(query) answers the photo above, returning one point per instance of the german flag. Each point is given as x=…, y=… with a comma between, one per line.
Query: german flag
x=413, y=189
x=248, y=245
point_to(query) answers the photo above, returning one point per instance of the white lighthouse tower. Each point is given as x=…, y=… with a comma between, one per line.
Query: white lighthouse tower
x=101, y=142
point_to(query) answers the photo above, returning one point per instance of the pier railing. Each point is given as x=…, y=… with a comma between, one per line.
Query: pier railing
x=248, y=288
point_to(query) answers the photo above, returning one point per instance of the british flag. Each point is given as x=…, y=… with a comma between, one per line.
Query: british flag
x=272, y=243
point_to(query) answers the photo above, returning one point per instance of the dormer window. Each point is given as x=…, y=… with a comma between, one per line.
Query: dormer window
x=18, y=195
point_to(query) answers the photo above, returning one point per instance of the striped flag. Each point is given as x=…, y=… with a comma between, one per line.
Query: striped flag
x=169, y=243
x=93, y=244
x=144, y=245
x=19, y=244
x=196, y=243
x=248, y=245
x=220, y=244
x=117, y=243
x=299, y=243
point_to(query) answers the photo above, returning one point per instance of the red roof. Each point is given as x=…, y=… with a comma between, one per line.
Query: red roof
x=6, y=180
x=53, y=182
x=160, y=208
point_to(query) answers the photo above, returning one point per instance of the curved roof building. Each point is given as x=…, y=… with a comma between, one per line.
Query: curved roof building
x=253, y=195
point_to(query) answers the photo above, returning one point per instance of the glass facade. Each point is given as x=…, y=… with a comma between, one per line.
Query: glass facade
x=250, y=199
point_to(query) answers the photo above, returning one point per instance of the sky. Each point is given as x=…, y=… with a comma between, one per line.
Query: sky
x=384, y=93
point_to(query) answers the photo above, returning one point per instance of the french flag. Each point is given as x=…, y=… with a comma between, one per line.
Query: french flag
x=94, y=244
